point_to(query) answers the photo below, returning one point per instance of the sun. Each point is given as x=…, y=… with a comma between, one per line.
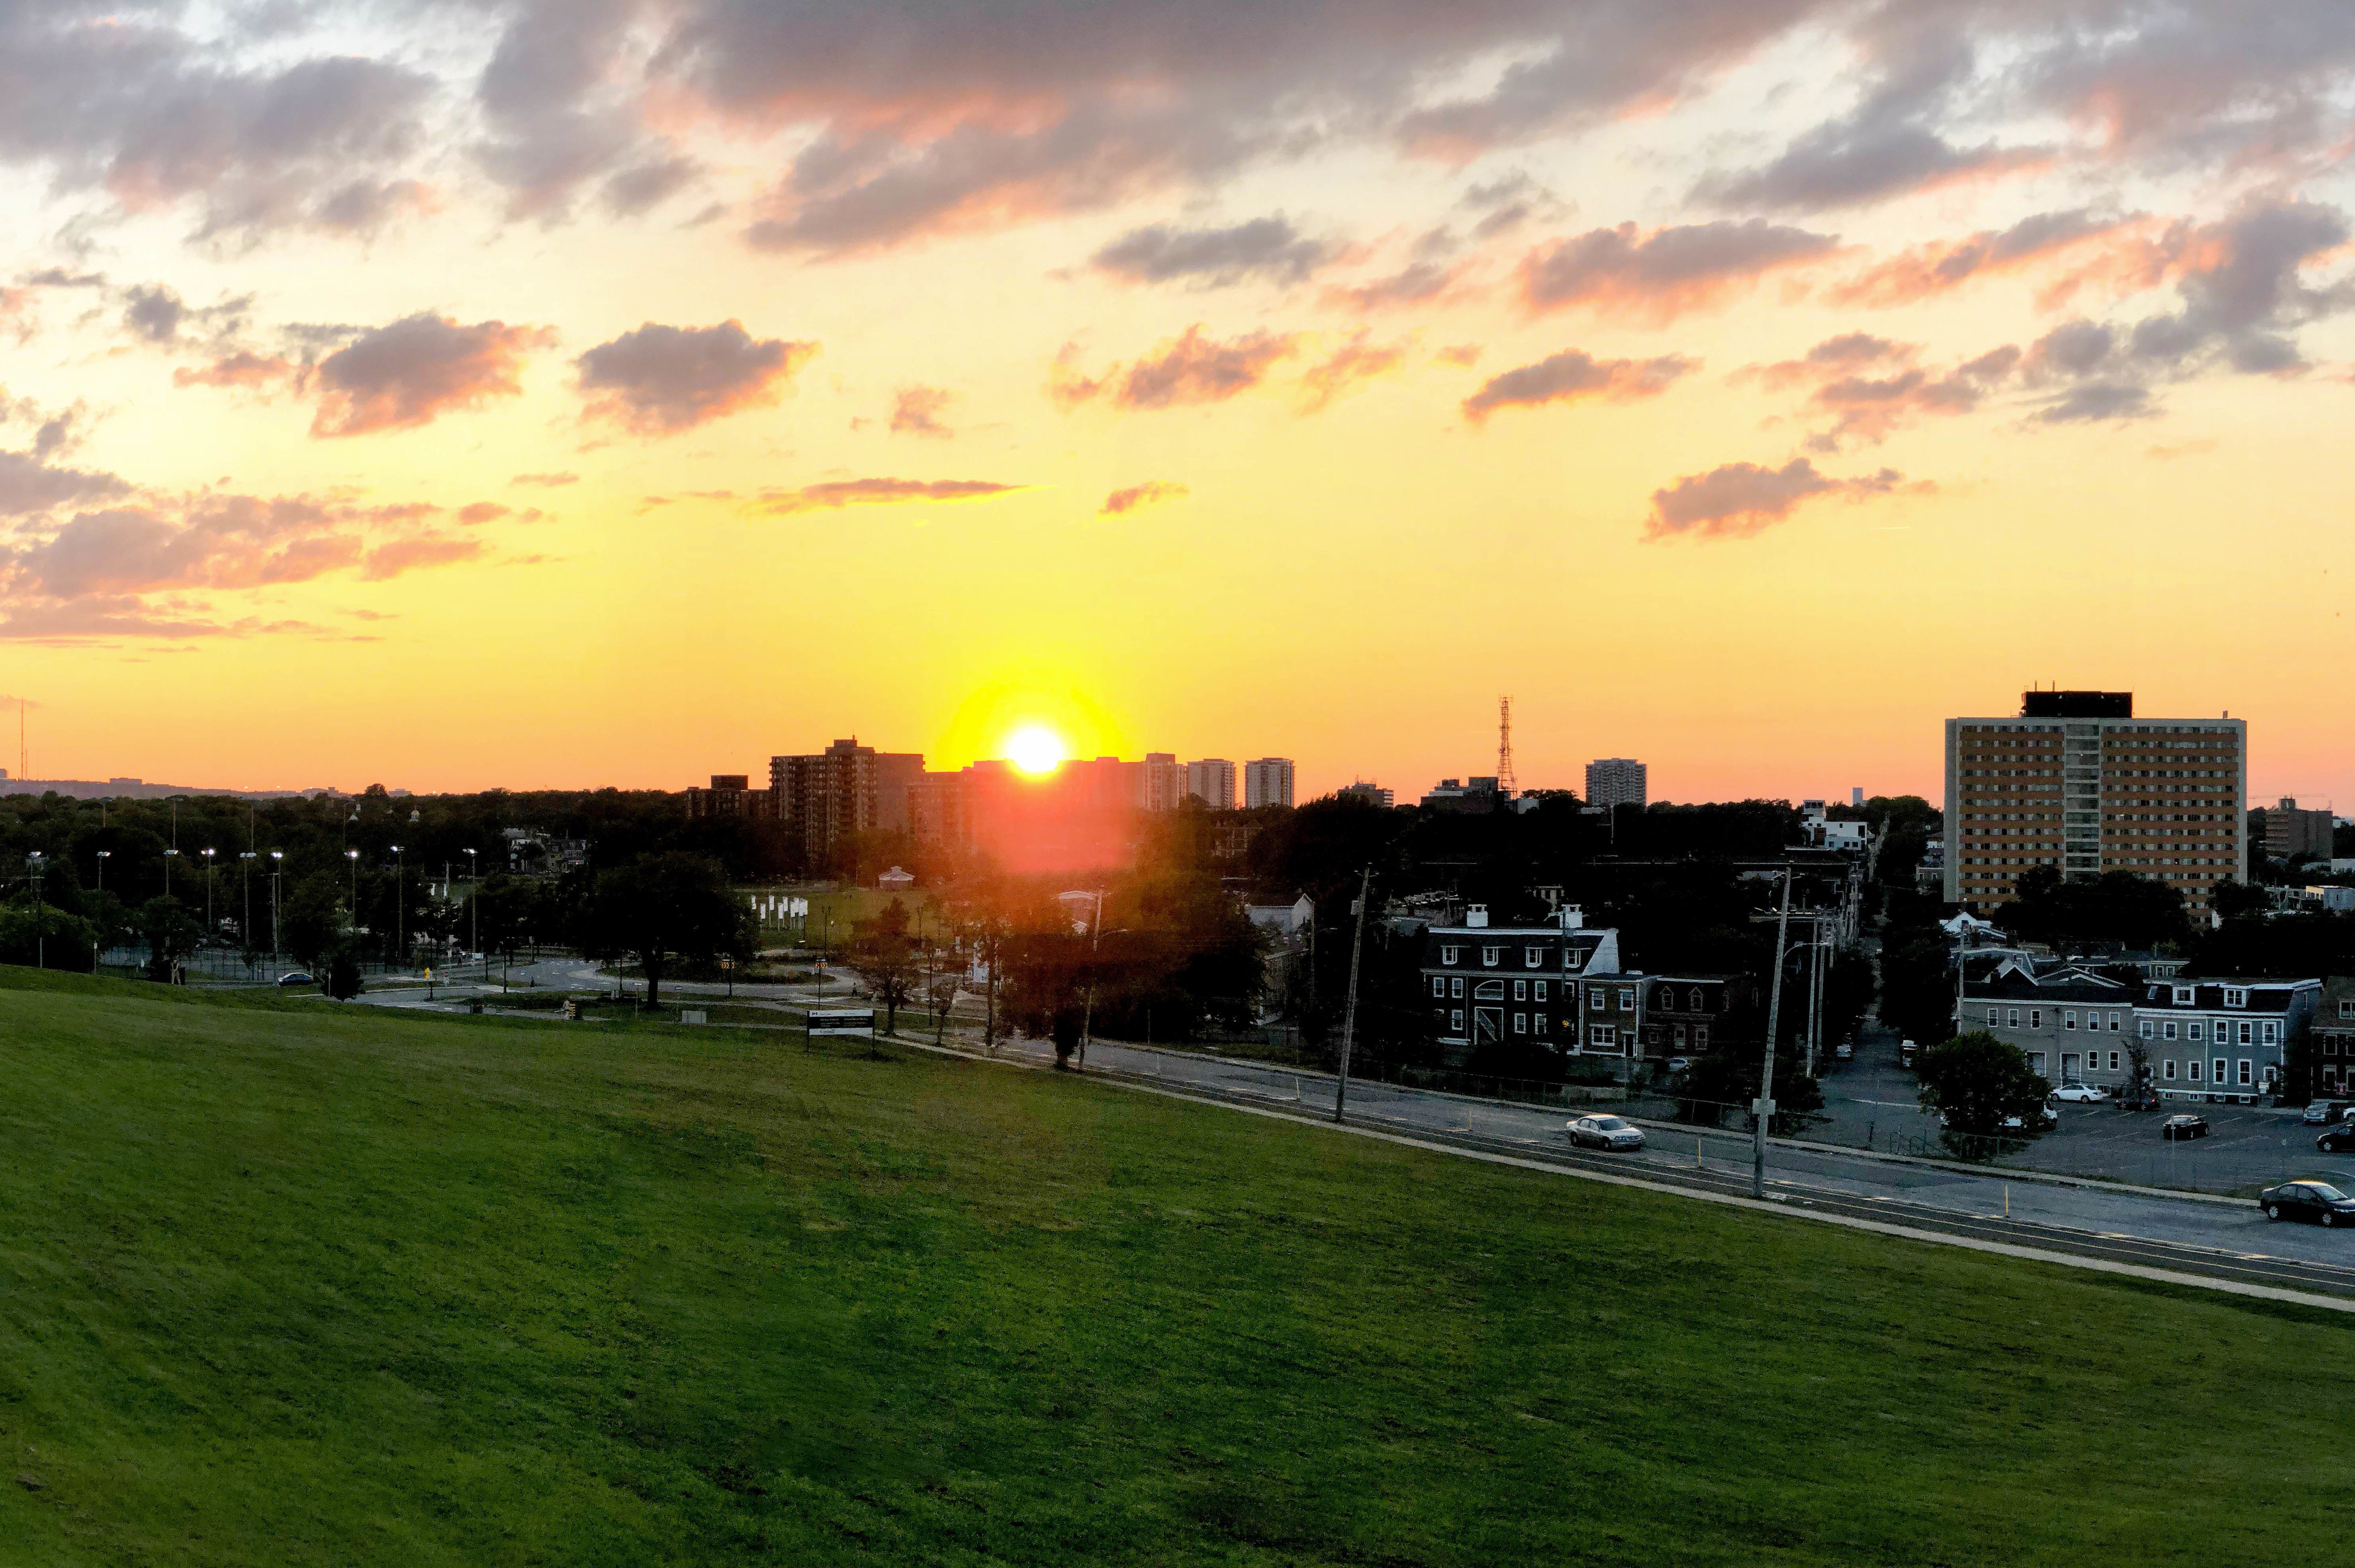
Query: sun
x=1035, y=748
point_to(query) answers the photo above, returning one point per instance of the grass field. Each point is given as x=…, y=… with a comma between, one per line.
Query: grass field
x=291, y=1283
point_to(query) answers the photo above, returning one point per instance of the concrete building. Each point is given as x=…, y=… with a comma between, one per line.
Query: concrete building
x=730, y=795
x=1212, y=783
x=2289, y=831
x=1161, y=781
x=1267, y=782
x=1372, y=794
x=2077, y=782
x=846, y=789
x=1616, y=781
x=1475, y=796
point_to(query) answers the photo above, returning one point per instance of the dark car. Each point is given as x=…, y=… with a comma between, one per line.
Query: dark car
x=296, y=977
x=2184, y=1127
x=2317, y=1201
x=2337, y=1139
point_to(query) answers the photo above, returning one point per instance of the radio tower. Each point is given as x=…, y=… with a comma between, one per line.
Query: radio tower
x=1505, y=747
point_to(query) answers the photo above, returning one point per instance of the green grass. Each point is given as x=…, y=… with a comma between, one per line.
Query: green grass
x=287, y=1283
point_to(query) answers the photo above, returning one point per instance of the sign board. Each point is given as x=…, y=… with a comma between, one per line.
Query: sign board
x=692, y=1015
x=825, y=1020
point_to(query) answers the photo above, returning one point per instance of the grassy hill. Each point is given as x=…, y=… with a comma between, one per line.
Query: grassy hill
x=291, y=1283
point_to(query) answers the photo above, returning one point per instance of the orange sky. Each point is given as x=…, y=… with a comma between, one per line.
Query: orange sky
x=620, y=392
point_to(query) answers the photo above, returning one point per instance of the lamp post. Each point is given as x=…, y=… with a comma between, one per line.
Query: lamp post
x=208, y=893
x=169, y=857
x=1761, y=1109
x=354, y=857
x=399, y=901
x=277, y=864
x=245, y=921
x=40, y=946
x=474, y=905
x=103, y=856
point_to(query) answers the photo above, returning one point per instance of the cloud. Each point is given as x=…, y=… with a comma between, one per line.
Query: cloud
x=1135, y=497
x=1347, y=368
x=2098, y=402
x=1661, y=275
x=1416, y=283
x=1264, y=248
x=242, y=369
x=28, y=485
x=483, y=511
x=1872, y=387
x=916, y=411
x=1871, y=158
x=2044, y=239
x=1575, y=377
x=408, y=373
x=546, y=481
x=661, y=379
x=410, y=554
x=838, y=494
x=1739, y=499
x=1188, y=369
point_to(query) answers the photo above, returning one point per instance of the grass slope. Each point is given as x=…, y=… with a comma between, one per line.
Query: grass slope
x=296, y=1284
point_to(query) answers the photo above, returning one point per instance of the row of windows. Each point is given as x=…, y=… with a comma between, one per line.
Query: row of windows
x=1531, y=957
x=1488, y=991
x=2224, y=1030
x=1523, y=1022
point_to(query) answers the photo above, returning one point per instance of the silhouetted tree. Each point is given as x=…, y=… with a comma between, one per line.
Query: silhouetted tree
x=661, y=907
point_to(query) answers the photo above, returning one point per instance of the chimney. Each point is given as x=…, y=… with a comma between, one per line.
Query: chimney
x=1572, y=917
x=1476, y=916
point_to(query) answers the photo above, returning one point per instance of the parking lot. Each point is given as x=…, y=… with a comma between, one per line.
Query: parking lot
x=1872, y=1098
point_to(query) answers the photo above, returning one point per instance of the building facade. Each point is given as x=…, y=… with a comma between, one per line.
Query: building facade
x=2077, y=782
x=2213, y=1039
x=1267, y=782
x=2333, y=1041
x=1161, y=781
x=1372, y=794
x=1212, y=783
x=730, y=795
x=2289, y=831
x=1617, y=781
x=1486, y=984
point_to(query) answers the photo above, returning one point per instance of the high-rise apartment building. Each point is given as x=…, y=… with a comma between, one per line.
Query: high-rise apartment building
x=1161, y=782
x=1212, y=783
x=1372, y=794
x=2289, y=831
x=846, y=789
x=2077, y=782
x=1267, y=782
x=1616, y=781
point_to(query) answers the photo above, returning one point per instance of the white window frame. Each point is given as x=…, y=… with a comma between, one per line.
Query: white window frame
x=2167, y=1030
x=2191, y=1069
x=1533, y=957
x=1540, y=992
x=2218, y=1076
x=1995, y=1018
x=2192, y=1028
x=1450, y=955
x=1627, y=999
x=2169, y=1073
x=2185, y=995
x=1540, y=1024
x=2272, y=1033
x=1439, y=986
x=2143, y=1028
x=2036, y=1018
x=1520, y=991
x=2235, y=996
x=1456, y=990
x=1491, y=957
x=1520, y=1023
x=2246, y=1076
x=1602, y=1036
x=2013, y=1020
x=2068, y=1018
x=1455, y=1021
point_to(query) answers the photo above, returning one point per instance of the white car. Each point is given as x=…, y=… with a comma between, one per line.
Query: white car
x=1609, y=1132
x=2081, y=1094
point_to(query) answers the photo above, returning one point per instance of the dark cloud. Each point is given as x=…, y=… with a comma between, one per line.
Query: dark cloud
x=1661, y=275
x=29, y=484
x=1264, y=248
x=1191, y=369
x=1739, y=499
x=2091, y=402
x=1135, y=497
x=407, y=374
x=1576, y=377
x=154, y=313
x=916, y=411
x=839, y=493
x=659, y=380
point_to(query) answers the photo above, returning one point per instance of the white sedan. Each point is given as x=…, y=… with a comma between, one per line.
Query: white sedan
x=1605, y=1132
x=2081, y=1094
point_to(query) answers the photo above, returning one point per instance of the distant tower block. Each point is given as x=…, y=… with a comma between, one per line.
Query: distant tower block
x=1504, y=784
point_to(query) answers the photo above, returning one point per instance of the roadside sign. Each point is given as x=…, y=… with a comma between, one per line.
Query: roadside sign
x=856, y=1021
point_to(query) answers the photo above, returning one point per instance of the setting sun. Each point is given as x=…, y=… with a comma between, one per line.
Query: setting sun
x=1034, y=748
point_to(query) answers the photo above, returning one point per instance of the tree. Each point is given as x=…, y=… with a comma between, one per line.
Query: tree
x=885, y=958
x=314, y=918
x=1917, y=984
x=342, y=976
x=662, y=906
x=2115, y=906
x=45, y=935
x=1978, y=1082
x=171, y=933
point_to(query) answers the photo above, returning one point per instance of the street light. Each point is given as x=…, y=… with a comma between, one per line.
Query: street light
x=169, y=857
x=399, y=898
x=473, y=906
x=277, y=864
x=103, y=856
x=354, y=857
x=208, y=893
x=33, y=869
x=245, y=921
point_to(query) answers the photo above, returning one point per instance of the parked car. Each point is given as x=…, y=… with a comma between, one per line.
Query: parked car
x=2080, y=1095
x=1679, y=1063
x=1906, y=1049
x=2317, y=1201
x=2337, y=1140
x=297, y=977
x=2319, y=1112
x=2176, y=1127
x=1614, y=1133
x=1844, y=1051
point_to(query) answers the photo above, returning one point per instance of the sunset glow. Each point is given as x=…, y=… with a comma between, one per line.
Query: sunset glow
x=1758, y=392
x=1035, y=749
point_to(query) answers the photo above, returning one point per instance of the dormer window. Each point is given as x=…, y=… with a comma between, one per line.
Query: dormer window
x=1534, y=958
x=2234, y=996
x=1450, y=955
x=2183, y=995
x=1489, y=956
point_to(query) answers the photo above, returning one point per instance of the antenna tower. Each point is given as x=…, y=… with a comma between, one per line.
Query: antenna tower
x=1505, y=784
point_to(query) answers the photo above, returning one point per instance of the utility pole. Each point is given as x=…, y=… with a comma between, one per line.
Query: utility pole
x=1762, y=1108
x=1088, y=1013
x=1349, y=1009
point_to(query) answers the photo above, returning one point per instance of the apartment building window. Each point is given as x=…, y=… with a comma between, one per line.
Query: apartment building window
x=2183, y=996
x=2272, y=1035
x=2036, y=1018
x=2192, y=1069
x=2142, y=1027
x=1534, y=958
x=2113, y=1061
x=1455, y=1026
x=1596, y=999
x=1627, y=999
x=2347, y=1008
x=1439, y=985
x=2069, y=1018
x=1680, y=1037
x=2235, y=998
x=2167, y=1030
x=1995, y=1016
x=2191, y=1030
x=1542, y=991
x=1701, y=1036
x=1450, y=955
x=1540, y=1022
x=1695, y=1003
x=1520, y=991
x=2244, y=1070
x=1489, y=956
x=1602, y=1038
x=2220, y=1071
x=1456, y=987
x=2170, y=1066
x=2114, y=1024
x=1520, y=1023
